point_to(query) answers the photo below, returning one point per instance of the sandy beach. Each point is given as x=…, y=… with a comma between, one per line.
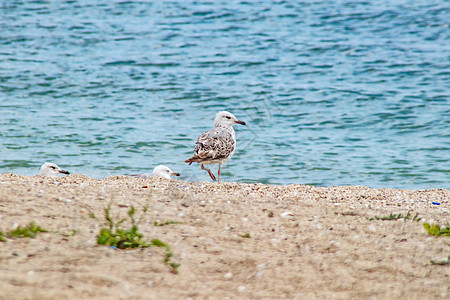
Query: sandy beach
x=232, y=240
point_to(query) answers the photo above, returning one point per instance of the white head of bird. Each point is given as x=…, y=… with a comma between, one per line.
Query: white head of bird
x=52, y=170
x=224, y=118
x=163, y=171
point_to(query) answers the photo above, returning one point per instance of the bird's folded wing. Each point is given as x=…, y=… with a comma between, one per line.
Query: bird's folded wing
x=144, y=175
x=214, y=143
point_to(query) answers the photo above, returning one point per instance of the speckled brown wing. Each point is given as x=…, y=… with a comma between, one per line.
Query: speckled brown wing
x=214, y=144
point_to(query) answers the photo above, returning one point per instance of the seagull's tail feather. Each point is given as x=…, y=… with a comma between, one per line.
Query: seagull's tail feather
x=194, y=158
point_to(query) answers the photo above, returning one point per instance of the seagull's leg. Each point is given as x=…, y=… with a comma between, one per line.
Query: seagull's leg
x=219, y=172
x=209, y=172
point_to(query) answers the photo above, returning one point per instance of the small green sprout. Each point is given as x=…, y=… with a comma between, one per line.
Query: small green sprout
x=435, y=229
x=115, y=236
x=28, y=231
x=119, y=237
x=167, y=222
x=174, y=266
x=440, y=262
x=74, y=232
x=392, y=216
x=2, y=237
x=91, y=214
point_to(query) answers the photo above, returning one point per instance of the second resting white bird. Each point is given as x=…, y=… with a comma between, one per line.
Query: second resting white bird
x=52, y=170
x=159, y=171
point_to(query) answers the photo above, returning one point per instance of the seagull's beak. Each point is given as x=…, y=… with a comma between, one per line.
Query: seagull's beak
x=64, y=172
x=240, y=122
x=175, y=173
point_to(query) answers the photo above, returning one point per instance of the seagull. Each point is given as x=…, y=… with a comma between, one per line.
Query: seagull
x=52, y=170
x=159, y=171
x=216, y=145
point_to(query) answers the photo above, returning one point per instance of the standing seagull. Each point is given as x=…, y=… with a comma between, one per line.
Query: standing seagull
x=216, y=145
x=52, y=170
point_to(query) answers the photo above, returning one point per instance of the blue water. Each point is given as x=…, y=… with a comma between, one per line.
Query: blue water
x=333, y=92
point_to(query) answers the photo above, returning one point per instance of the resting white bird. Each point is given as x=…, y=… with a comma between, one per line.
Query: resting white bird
x=52, y=170
x=159, y=171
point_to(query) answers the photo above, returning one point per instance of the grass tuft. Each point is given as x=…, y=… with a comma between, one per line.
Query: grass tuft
x=167, y=222
x=440, y=262
x=245, y=235
x=28, y=231
x=435, y=229
x=2, y=237
x=119, y=237
x=74, y=232
x=167, y=259
x=91, y=214
x=392, y=216
x=131, y=238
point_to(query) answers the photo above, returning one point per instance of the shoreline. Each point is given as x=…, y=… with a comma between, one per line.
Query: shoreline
x=245, y=240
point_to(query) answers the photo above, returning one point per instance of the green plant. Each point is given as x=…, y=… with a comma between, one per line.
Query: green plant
x=2, y=237
x=173, y=266
x=416, y=218
x=167, y=222
x=28, y=231
x=119, y=237
x=91, y=214
x=435, y=229
x=74, y=232
x=440, y=262
x=131, y=238
x=392, y=216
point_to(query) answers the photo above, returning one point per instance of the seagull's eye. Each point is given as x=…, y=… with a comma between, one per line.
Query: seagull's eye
x=228, y=117
x=53, y=167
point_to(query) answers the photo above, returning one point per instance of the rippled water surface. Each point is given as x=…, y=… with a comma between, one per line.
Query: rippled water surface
x=333, y=92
